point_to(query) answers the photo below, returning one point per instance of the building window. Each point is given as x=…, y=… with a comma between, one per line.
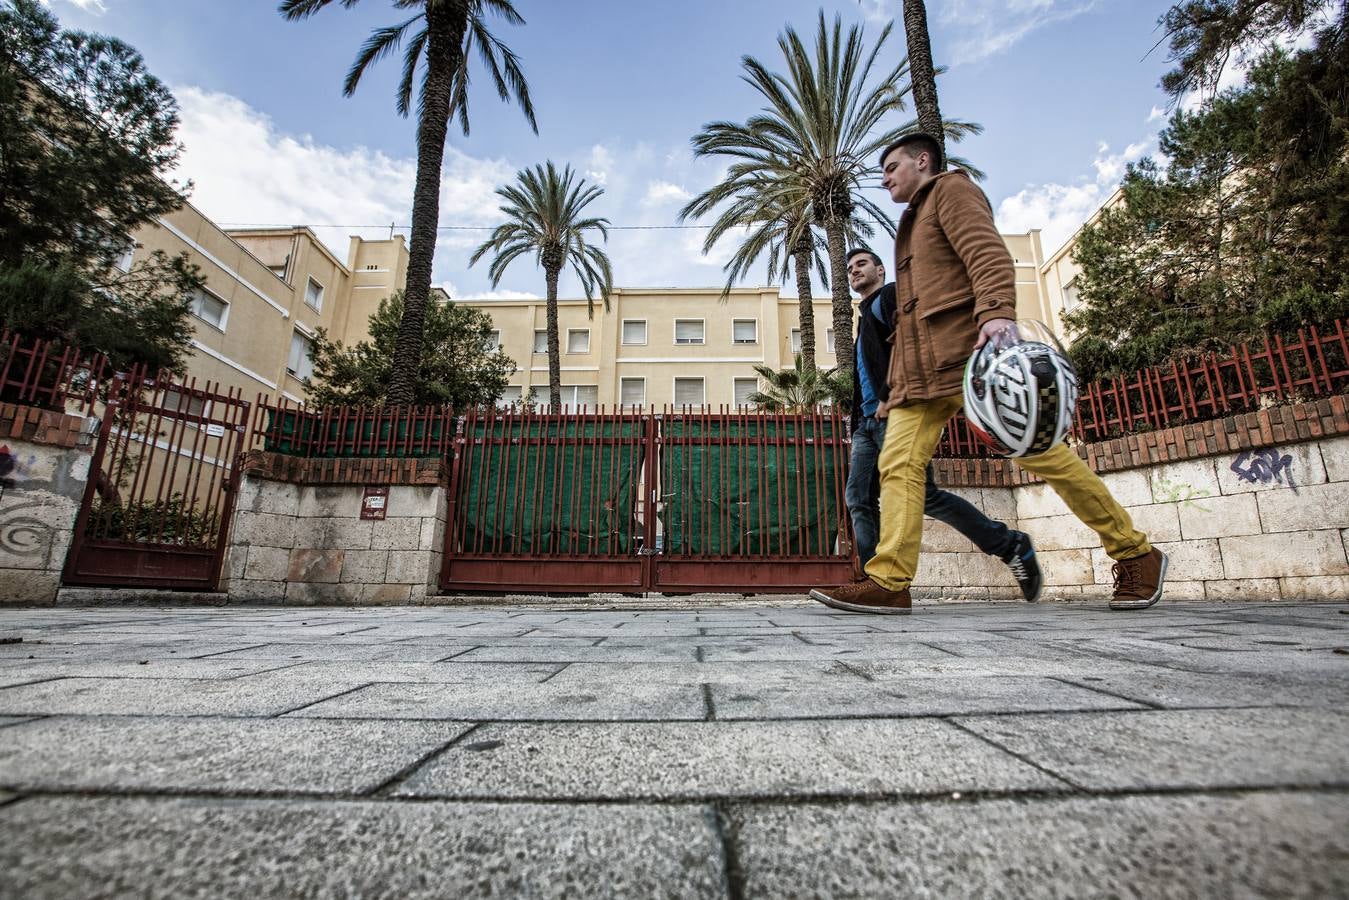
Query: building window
x=689, y=392
x=578, y=340
x=829, y=340
x=209, y=308
x=634, y=331
x=632, y=391
x=688, y=331
x=174, y=401
x=1071, y=299
x=745, y=331
x=126, y=257
x=576, y=397
x=540, y=341
x=493, y=342
x=743, y=388
x=796, y=340
x=313, y=295
x=510, y=396
x=299, y=363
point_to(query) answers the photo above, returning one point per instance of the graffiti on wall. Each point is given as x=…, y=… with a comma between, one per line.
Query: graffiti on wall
x=22, y=534
x=1169, y=491
x=1266, y=466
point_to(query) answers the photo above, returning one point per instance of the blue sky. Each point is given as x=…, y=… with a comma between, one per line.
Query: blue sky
x=1066, y=89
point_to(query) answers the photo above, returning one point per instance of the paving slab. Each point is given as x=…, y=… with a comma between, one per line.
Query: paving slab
x=122, y=651
x=581, y=650
x=700, y=760
x=1254, y=845
x=957, y=695
x=214, y=754
x=147, y=667
x=1157, y=686
x=513, y=701
x=251, y=849
x=254, y=695
x=1229, y=748
x=399, y=652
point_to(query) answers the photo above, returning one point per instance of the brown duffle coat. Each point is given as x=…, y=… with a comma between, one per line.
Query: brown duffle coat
x=952, y=274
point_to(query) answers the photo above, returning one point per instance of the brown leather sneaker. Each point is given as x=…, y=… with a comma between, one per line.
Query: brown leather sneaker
x=865, y=596
x=1138, y=581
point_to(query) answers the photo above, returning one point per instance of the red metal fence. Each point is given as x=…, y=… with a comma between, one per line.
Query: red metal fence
x=1207, y=386
x=36, y=372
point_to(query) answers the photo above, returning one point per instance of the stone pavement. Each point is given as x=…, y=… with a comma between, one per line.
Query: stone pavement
x=755, y=749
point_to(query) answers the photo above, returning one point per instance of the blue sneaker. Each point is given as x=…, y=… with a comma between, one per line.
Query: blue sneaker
x=1025, y=568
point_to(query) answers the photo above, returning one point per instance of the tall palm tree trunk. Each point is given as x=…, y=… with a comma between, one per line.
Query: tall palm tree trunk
x=838, y=285
x=922, y=72
x=802, y=260
x=445, y=25
x=554, y=351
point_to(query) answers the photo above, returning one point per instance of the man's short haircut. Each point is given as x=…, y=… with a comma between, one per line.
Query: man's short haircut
x=917, y=142
x=856, y=250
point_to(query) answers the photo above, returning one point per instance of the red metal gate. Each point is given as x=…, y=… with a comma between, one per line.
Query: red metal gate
x=631, y=502
x=160, y=495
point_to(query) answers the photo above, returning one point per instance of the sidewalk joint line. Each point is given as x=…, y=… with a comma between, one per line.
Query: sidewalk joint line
x=1025, y=759
x=386, y=787
x=358, y=687
x=733, y=875
x=1097, y=690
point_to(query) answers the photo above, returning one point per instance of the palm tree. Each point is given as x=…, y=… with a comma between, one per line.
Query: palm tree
x=801, y=390
x=544, y=217
x=923, y=75
x=820, y=132
x=448, y=31
x=776, y=220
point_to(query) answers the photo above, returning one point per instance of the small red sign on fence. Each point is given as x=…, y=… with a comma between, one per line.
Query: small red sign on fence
x=374, y=502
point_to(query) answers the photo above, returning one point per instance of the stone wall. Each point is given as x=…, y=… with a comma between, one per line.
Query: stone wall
x=298, y=537
x=42, y=480
x=1266, y=517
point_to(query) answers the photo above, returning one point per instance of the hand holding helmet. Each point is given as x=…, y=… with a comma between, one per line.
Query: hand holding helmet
x=1020, y=388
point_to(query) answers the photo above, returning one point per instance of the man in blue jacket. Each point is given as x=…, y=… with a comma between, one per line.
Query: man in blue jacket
x=876, y=315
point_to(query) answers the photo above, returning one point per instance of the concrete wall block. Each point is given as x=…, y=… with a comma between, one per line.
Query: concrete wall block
x=938, y=570
x=306, y=594
x=1219, y=517
x=247, y=591
x=432, y=535
x=316, y=566
x=409, y=567
x=236, y=558
x=1319, y=587
x=1294, y=553
x=1130, y=488
x=396, y=534
x=1270, y=468
x=330, y=501
x=1065, y=567
x=60, y=549
x=1256, y=589
x=1335, y=457
x=980, y=570
x=384, y=594
x=263, y=529
x=1192, y=561
x=1000, y=505
x=334, y=534
x=1177, y=482
x=1059, y=533
x=267, y=564
x=1064, y=592
x=365, y=566
x=1310, y=508
x=259, y=496
x=415, y=500
x=27, y=543
x=417, y=593
x=1159, y=521
x=938, y=537
x=1036, y=501
x=29, y=586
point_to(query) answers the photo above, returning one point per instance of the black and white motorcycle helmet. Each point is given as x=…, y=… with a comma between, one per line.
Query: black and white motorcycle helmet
x=1021, y=390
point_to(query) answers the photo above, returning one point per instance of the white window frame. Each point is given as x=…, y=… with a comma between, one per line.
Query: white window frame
x=829, y=340
x=504, y=401
x=318, y=305
x=702, y=340
x=1070, y=291
x=224, y=317
x=544, y=332
x=493, y=342
x=623, y=333
x=308, y=361
x=573, y=405
x=674, y=389
x=754, y=340
x=126, y=259
x=642, y=379
x=570, y=332
x=739, y=378
x=794, y=340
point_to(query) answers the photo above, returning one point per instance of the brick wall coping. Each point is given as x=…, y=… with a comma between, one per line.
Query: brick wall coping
x=345, y=470
x=40, y=426
x=1278, y=425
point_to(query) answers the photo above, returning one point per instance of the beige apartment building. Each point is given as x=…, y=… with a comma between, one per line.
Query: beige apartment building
x=268, y=291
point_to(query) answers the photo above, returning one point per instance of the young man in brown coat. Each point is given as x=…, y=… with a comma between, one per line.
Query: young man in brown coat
x=955, y=288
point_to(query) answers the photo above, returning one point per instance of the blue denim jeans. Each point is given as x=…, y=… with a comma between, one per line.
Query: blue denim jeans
x=863, y=496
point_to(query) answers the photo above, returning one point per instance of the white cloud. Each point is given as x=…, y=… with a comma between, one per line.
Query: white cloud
x=1156, y=115
x=1058, y=210
x=600, y=161
x=880, y=11
x=455, y=294
x=658, y=192
x=86, y=5
x=983, y=28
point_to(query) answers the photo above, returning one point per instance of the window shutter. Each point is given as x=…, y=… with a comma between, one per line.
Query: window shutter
x=634, y=332
x=688, y=392
x=688, y=331
x=632, y=392
x=745, y=331
x=743, y=388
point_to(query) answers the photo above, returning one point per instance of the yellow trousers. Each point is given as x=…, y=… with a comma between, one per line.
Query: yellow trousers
x=911, y=435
